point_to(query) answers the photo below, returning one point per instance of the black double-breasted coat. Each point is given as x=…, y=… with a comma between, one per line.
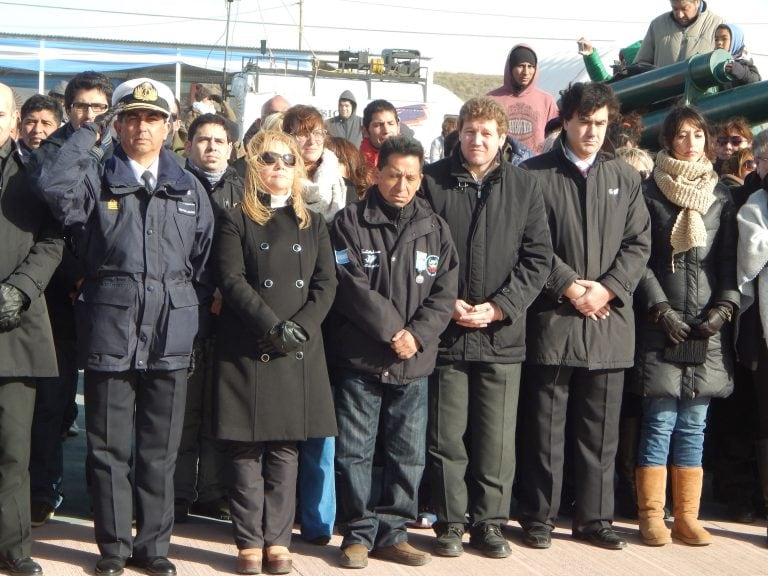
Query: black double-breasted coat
x=268, y=273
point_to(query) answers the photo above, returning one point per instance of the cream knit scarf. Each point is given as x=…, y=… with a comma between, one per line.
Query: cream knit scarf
x=688, y=185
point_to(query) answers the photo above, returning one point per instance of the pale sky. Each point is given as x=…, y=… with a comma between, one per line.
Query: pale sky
x=458, y=36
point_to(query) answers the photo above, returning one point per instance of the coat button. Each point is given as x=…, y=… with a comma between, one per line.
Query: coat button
x=297, y=247
x=140, y=362
x=264, y=358
x=386, y=372
x=299, y=355
x=264, y=246
x=268, y=283
x=299, y=283
x=150, y=288
x=149, y=232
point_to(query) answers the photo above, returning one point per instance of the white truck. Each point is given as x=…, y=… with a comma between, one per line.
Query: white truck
x=397, y=75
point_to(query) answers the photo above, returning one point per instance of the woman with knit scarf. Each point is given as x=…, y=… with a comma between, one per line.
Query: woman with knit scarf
x=684, y=305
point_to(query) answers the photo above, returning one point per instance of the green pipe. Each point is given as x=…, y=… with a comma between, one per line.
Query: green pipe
x=750, y=101
x=702, y=72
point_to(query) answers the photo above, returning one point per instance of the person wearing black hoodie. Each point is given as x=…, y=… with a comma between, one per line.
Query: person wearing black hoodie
x=346, y=124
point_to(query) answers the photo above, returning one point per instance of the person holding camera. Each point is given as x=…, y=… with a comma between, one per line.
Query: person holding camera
x=684, y=304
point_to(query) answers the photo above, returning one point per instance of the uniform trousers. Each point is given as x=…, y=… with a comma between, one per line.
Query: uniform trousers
x=592, y=400
x=17, y=403
x=263, y=493
x=475, y=477
x=117, y=404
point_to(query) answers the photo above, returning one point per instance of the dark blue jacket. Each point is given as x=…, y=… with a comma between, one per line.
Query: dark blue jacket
x=144, y=254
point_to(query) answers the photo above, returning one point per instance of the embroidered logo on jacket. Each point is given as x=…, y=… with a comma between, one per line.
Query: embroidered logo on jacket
x=370, y=258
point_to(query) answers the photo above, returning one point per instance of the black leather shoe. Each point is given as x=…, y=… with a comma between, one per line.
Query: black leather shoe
x=110, y=566
x=154, y=565
x=448, y=541
x=22, y=567
x=537, y=537
x=604, y=538
x=488, y=539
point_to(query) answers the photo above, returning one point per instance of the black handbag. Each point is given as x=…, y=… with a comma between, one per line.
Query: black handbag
x=690, y=352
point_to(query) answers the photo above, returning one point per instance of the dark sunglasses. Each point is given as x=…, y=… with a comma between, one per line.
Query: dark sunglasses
x=750, y=165
x=734, y=140
x=272, y=157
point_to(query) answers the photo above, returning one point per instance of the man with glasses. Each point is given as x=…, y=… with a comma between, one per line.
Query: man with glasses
x=143, y=228
x=86, y=96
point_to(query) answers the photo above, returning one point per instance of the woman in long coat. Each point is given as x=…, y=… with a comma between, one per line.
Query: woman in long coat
x=685, y=341
x=277, y=278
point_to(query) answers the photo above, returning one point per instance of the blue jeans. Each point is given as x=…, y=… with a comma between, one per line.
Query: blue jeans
x=396, y=414
x=317, y=488
x=676, y=424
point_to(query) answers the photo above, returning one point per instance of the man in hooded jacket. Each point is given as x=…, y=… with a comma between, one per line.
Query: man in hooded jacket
x=528, y=107
x=346, y=124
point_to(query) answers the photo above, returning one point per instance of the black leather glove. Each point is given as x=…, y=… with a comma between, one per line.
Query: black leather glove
x=12, y=303
x=287, y=336
x=104, y=120
x=714, y=320
x=669, y=320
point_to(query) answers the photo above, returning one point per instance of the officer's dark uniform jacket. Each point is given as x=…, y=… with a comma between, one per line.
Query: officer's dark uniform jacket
x=144, y=254
x=504, y=249
x=600, y=231
x=397, y=268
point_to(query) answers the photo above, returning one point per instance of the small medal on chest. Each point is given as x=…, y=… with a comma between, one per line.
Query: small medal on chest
x=420, y=266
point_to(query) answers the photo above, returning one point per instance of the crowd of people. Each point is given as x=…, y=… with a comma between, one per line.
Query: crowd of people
x=324, y=323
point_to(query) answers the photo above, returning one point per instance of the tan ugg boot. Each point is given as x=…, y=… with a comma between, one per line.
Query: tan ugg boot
x=249, y=561
x=651, y=490
x=686, y=495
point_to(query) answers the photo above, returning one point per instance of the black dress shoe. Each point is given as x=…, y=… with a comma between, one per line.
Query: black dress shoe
x=489, y=540
x=537, y=537
x=154, y=565
x=22, y=566
x=448, y=542
x=604, y=538
x=110, y=566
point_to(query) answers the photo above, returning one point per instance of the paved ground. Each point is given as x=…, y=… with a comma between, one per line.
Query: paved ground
x=203, y=547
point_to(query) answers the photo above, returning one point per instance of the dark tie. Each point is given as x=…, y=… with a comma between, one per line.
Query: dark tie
x=147, y=178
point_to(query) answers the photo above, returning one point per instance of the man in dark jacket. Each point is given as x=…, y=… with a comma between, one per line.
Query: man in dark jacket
x=397, y=270
x=496, y=213
x=200, y=481
x=31, y=252
x=346, y=124
x=581, y=329
x=85, y=96
x=143, y=229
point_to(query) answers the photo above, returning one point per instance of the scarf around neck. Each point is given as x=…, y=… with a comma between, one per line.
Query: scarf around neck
x=690, y=186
